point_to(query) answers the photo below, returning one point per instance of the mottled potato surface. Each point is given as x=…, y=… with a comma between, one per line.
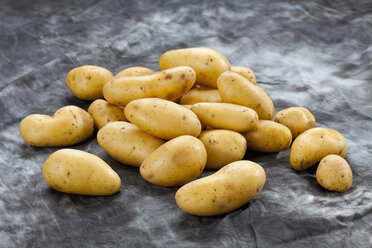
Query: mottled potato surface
x=207, y=63
x=297, y=119
x=245, y=72
x=127, y=143
x=78, y=172
x=197, y=95
x=86, y=82
x=314, y=144
x=334, y=173
x=134, y=71
x=224, y=191
x=69, y=125
x=175, y=163
x=104, y=112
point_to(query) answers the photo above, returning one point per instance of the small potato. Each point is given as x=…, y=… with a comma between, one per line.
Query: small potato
x=68, y=126
x=127, y=143
x=197, y=95
x=175, y=163
x=78, y=172
x=134, y=71
x=207, y=63
x=268, y=136
x=226, y=116
x=162, y=118
x=236, y=89
x=313, y=145
x=245, y=72
x=224, y=191
x=223, y=147
x=169, y=84
x=297, y=119
x=104, y=112
x=86, y=82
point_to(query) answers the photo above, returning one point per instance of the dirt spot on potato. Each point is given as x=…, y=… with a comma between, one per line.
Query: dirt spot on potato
x=168, y=76
x=183, y=76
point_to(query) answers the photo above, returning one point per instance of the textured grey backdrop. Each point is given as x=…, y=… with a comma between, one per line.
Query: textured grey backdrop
x=316, y=54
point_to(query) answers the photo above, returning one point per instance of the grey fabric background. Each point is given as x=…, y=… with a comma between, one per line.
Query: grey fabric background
x=315, y=54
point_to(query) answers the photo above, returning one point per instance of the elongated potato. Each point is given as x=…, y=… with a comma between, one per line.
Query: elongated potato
x=127, y=143
x=224, y=191
x=314, y=144
x=162, y=118
x=175, y=163
x=86, y=82
x=226, y=116
x=197, y=95
x=134, y=71
x=223, y=147
x=297, y=119
x=245, y=72
x=104, y=112
x=68, y=126
x=268, y=136
x=207, y=63
x=236, y=89
x=169, y=84
x=78, y=172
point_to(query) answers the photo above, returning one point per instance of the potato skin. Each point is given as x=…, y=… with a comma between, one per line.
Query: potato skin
x=68, y=126
x=162, y=118
x=78, y=172
x=197, y=95
x=175, y=163
x=104, y=112
x=224, y=191
x=86, y=82
x=268, y=136
x=134, y=71
x=297, y=119
x=334, y=173
x=168, y=84
x=245, y=72
x=127, y=143
x=236, y=89
x=223, y=147
x=313, y=145
x=207, y=63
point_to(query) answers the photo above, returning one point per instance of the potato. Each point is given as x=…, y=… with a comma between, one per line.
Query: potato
x=175, y=163
x=268, y=136
x=127, y=143
x=245, y=72
x=169, y=84
x=313, y=145
x=223, y=147
x=224, y=191
x=68, y=126
x=162, y=118
x=297, y=119
x=104, y=112
x=226, y=116
x=334, y=173
x=78, y=172
x=86, y=81
x=236, y=89
x=207, y=63
x=197, y=95
x=134, y=71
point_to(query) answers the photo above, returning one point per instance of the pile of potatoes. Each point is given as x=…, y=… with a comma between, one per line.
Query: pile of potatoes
x=197, y=113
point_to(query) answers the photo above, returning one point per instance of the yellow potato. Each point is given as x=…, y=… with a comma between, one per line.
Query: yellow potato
x=162, y=118
x=236, y=89
x=127, y=143
x=78, y=172
x=334, y=173
x=268, y=136
x=86, y=81
x=68, y=126
x=134, y=71
x=104, y=112
x=224, y=191
x=175, y=163
x=297, y=119
x=169, y=84
x=223, y=147
x=313, y=145
x=197, y=95
x=226, y=116
x=207, y=63
x=245, y=72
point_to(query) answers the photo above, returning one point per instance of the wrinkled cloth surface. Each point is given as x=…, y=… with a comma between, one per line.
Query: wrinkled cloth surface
x=314, y=54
